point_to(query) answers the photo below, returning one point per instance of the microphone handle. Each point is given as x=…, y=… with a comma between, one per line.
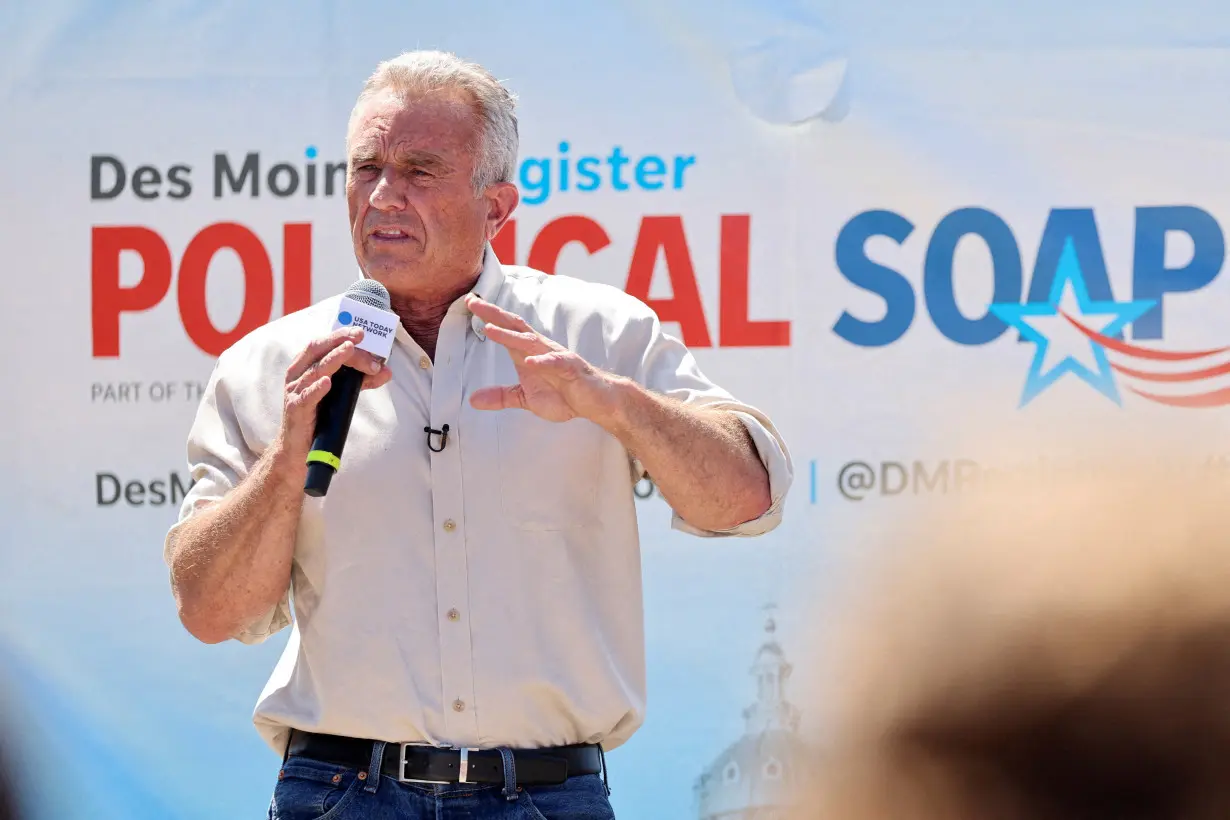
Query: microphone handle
x=333, y=416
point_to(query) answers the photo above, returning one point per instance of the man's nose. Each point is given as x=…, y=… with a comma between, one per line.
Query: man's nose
x=389, y=193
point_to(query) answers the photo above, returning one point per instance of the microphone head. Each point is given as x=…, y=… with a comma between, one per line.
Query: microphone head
x=370, y=292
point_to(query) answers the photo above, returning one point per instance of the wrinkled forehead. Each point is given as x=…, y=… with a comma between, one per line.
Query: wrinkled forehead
x=443, y=121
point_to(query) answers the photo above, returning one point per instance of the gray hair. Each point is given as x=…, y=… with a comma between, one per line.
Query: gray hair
x=425, y=71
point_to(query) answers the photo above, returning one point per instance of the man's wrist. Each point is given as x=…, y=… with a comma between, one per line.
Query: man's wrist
x=285, y=465
x=616, y=399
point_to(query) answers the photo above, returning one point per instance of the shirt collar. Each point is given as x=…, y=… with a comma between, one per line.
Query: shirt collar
x=487, y=288
x=491, y=279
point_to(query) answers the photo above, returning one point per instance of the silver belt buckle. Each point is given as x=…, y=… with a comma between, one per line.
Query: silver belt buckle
x=401, y=769
x=463, y=768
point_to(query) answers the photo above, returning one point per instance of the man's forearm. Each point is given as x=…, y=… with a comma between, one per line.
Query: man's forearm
x=703, y=461
x=231, y=562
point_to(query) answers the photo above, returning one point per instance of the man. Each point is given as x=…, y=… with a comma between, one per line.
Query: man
x=468, y=631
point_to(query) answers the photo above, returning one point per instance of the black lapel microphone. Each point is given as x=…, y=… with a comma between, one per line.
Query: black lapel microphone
x=442, y=433
x=336, y=409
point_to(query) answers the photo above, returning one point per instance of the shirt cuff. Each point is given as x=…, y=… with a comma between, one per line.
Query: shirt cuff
x=268, y=625
x=776, y=460
x=209, y=489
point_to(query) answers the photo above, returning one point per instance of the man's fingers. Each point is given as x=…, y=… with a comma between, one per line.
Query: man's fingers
x=529, y=343
x=380, y=379
x=306, y=399
x=320, y=348
x=366, y=362
x=345, y=354
x=497, y=316
x=560, y=362
x=330, y=364
x=498, y=398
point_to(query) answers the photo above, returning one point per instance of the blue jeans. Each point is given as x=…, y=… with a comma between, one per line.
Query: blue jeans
x=310, y=789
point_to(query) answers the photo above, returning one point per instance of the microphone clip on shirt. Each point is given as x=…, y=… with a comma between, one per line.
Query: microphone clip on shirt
x=442, y=433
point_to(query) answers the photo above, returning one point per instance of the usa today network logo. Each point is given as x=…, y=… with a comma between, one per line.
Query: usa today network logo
x=860, y=479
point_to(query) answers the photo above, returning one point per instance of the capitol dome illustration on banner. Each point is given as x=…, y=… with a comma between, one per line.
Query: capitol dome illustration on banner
x=753, y=778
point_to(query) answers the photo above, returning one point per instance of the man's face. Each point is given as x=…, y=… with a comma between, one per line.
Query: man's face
x=418, y=227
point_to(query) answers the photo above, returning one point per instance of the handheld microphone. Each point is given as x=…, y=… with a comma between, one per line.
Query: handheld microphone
x=366, y=303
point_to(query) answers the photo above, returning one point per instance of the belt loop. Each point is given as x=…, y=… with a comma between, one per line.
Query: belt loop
x=373, y=768
x=510, y=774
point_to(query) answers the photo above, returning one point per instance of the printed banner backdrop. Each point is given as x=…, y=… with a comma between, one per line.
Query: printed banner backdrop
x=865, y=217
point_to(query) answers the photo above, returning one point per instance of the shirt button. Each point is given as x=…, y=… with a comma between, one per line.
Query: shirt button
x=450, y=525
x=424, y=362
x=459, y=706
x=453, y=614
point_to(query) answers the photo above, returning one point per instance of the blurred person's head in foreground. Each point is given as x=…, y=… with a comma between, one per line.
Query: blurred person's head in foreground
x=1056, y=650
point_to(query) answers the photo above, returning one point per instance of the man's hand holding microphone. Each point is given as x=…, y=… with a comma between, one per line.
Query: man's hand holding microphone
x=230, y=563
x=308, y=379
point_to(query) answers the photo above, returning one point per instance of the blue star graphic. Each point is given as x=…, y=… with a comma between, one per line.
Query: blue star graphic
x=1017, y=316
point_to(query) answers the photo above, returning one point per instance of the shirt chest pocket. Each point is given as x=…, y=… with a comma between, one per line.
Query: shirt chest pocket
x=548, y=471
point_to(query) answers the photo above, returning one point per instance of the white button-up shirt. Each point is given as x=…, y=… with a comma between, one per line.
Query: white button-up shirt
x=485, y=595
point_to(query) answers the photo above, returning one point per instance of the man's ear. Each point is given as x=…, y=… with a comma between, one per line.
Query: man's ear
x=502, y=199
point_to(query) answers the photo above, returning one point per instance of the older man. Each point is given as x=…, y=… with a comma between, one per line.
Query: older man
x=468, y=634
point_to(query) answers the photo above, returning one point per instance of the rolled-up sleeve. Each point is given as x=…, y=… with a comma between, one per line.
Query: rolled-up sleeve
x=667, y=367
x=219, y=458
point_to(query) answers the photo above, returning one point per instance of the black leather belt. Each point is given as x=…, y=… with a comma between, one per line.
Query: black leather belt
x=412, y=763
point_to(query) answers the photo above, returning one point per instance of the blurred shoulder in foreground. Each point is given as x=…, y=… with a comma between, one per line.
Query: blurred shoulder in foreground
x=1054, y=650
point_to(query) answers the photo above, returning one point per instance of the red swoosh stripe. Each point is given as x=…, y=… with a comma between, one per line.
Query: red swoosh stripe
x=1142, y=352
x=1213, y=398
x=1189, y=376
x=1216, y=398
